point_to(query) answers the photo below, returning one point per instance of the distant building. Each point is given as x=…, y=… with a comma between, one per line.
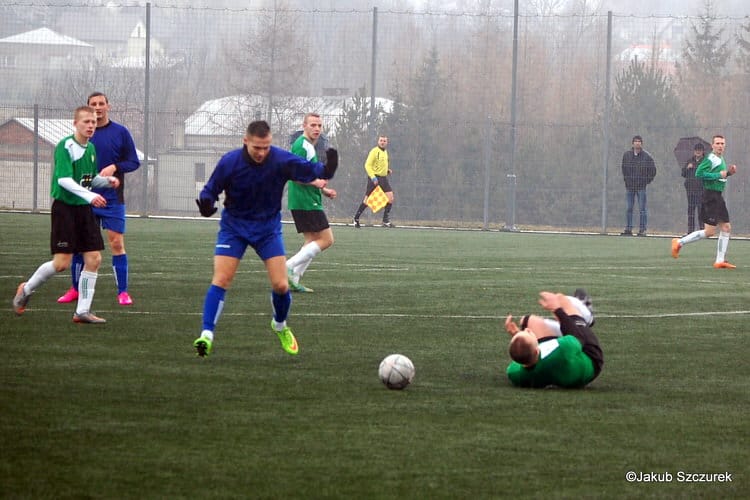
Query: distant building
x=25, y=176
x=218, y=126
x=29, y=59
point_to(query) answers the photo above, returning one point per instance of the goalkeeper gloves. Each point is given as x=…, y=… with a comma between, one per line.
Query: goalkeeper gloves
x=206, y=207
x=332, y=162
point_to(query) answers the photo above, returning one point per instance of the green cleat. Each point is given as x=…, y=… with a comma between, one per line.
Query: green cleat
x=288, y=342
x=203, y=346
x=296, y=287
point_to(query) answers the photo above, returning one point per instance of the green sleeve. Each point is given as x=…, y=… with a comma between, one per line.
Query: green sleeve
x=704, y=170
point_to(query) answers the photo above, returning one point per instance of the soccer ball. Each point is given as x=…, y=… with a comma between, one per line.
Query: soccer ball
x=396, y=371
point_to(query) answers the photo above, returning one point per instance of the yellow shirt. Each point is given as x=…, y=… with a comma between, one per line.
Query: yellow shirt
x=377, y=163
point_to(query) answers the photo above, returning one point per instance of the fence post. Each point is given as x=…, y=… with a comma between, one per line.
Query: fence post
x=510, y=219
x=35, y=195
x=373, y=73
x=607, y=102
x=146, y=110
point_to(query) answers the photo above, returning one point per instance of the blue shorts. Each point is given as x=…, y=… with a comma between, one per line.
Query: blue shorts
x=235, y=235
x=111, y=217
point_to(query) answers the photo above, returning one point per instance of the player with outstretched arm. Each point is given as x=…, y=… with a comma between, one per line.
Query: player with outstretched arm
x=252, y=179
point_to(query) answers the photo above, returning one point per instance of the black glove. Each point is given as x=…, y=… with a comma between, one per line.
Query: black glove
x=206, y=207
x=332, y=162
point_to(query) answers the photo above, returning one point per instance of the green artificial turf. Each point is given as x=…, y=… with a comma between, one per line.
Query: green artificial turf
x=126, y=409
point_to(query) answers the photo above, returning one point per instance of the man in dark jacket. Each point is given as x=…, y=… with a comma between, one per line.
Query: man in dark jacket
x=638, y=170
x=693, y=187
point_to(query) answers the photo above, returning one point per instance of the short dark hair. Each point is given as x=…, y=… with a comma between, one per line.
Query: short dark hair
x=636, y=138
x=259, y=128
x=97, y=94
x=699, y=147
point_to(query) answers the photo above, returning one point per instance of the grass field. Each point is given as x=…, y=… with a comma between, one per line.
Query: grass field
x=126, y=409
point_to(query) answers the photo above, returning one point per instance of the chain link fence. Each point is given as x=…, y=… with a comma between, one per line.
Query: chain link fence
x=496, y=119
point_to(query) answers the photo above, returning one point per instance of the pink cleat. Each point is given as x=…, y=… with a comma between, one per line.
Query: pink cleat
x=69, y=296
x=124, y=299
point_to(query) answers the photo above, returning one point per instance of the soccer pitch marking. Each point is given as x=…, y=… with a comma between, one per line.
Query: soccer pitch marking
x=298, y=314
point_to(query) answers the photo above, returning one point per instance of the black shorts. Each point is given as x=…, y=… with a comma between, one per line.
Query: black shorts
x=310, y=221
x=74, y=229
x=713, y=209
x=382, y=182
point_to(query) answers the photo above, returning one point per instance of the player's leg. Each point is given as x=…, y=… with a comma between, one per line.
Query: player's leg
x=62, y=239
x=541, y=327
x=725, y=230
x=281, y=301
x=318, y=237
x=708, y=213
x=271, y=250
x=386, y=186
x=225, y=268
x=44, y=272
x=90, y=245
x=228, y=252
x=114, y=223
x=362, y=206
x=76, y=267
x=87, y=287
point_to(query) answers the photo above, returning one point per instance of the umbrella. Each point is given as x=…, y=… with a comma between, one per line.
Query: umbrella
x=684, y=149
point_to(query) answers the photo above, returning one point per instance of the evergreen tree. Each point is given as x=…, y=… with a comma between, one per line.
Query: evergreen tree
x=743, y=44
x=702, y=70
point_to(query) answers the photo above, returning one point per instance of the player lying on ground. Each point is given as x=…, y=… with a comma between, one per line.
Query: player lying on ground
x=541, y=358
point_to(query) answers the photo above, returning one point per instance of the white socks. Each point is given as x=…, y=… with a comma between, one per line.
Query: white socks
x=694, y=236
x=42, y=274
x=298, y=264
x=721, y=247
x=86, y=287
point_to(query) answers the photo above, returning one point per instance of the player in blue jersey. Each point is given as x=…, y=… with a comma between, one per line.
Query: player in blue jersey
x=252, y=179
x=116, y=156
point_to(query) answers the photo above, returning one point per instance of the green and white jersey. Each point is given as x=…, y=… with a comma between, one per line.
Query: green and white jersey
x=76, y=161
x=562, y=362
x=709, y=171
x=303, y=196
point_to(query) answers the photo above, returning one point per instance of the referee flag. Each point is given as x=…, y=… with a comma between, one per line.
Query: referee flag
x=377, y=199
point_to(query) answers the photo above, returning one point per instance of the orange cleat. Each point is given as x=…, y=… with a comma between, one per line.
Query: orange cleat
x=676, y=247
x=724, y=265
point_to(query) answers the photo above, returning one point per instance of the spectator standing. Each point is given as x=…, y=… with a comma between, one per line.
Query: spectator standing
x=693, y=187
x=638, y=170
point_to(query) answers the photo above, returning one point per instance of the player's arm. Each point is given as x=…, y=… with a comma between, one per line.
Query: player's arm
x=705, y=170
x=212, y=188
x=303, y=171
x=128, y=161
x=68, y=184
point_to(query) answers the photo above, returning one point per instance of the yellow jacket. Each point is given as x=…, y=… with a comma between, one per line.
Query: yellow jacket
x=377, y=163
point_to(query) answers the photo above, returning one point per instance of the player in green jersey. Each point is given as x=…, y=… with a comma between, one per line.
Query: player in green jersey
x=541, y=359
x=305, y=201
x=74, y=226
x=713, y=171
